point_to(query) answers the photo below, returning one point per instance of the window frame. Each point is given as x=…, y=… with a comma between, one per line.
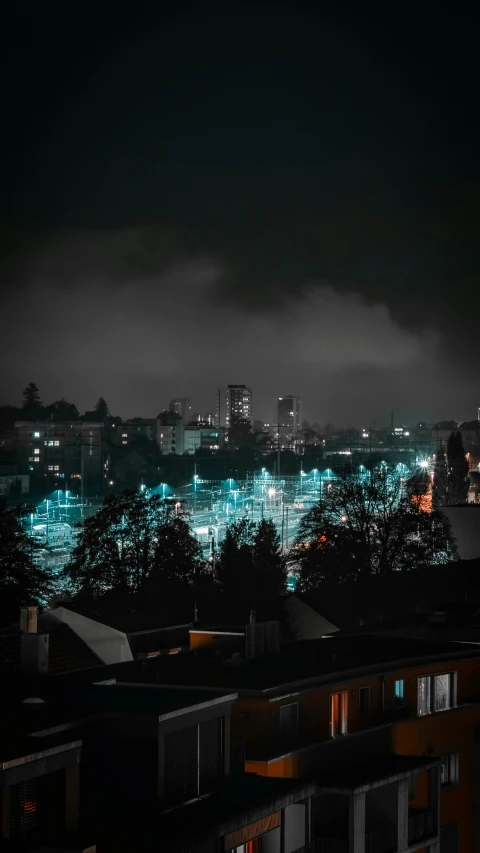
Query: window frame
x=452, y=761
x=401, y=703
x=343, y=717
x=452, y=692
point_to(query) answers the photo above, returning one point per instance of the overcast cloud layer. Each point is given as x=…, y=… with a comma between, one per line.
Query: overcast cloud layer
x=140, y=340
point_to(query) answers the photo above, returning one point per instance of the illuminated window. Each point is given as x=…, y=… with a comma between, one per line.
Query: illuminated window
x=398, y=693
x=36, y=451
x=36, y=435
x=36, y=459
x=436, y=693
x=124, y=435
x=50, y=443
x=56, y=444
x=124, y=442
x=338, y=713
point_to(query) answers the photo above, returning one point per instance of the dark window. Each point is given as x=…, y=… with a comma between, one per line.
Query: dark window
x=193, y=761
x=412, y=787
x=364, y=700
x=289, y=718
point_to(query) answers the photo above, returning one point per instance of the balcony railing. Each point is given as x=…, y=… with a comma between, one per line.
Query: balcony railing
x=421, y=824
x=383, y=839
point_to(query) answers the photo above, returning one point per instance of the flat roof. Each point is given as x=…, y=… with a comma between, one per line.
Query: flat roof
x=166, y=702
x=298, y=665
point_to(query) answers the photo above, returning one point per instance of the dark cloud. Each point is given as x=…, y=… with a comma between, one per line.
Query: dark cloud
x=251, y=192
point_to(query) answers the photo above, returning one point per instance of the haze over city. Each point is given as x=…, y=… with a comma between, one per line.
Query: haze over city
x=242, y=195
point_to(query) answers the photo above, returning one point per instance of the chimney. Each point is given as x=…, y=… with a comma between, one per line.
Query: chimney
x=253, y=616
x=28, y=619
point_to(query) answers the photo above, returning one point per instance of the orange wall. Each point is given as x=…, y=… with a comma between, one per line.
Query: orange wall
x=437, y=734
x=205, y=638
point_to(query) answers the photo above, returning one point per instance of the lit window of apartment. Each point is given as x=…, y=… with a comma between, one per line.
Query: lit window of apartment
x=449, y=769
x=124, y=435
x=436, y=693
x=364, y=700
x=289, y=718
x=398, y=697
x=50, y=443
x=56, y=467
x=56, y=444
x=36, y=435
x=36, y=451
x=338, y=713
x=124, y=442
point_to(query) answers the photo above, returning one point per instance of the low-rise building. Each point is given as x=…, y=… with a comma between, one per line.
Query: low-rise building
x=65, y=449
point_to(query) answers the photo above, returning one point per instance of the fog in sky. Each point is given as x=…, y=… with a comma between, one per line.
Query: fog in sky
x=244, y=193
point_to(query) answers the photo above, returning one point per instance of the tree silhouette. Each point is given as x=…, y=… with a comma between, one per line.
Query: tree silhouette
x=21, y=580
x=31, y=402
x=370, y=523
x=134, y=538
x=439, y=490
x=251, y=559
x=457, y=482
x=101, y=408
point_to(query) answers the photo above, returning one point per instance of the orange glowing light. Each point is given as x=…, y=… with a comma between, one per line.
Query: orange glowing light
x=30, y=806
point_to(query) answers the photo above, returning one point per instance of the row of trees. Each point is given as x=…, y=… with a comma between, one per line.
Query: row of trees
x=368, y=523
x=33, y=408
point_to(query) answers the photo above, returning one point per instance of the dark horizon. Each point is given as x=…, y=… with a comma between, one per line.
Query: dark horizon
x=276, y=197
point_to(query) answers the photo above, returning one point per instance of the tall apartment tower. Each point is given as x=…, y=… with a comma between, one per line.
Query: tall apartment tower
x=288, y=415
x=182, y=406
x=234, y=401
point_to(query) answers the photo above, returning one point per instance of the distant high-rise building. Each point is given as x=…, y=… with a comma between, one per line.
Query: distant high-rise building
x=234, y=401
x=182, y=406
x=288, y=415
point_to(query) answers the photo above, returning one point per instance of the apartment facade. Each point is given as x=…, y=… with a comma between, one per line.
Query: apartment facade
x=234, y=402
x=67, y=449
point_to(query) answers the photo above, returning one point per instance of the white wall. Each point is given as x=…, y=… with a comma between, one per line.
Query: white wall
x=110, y=645
x=306, y=623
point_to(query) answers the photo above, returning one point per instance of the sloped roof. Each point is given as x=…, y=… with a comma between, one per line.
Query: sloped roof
x=67, y=652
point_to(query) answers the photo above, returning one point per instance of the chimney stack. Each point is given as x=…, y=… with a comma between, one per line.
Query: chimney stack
x=28, y=619
x=34, y=647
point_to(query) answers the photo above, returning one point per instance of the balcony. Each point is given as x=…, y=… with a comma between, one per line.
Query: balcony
x=382, y=839
x=421, y=824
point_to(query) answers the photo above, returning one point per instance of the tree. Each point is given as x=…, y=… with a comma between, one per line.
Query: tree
x=269, y=566
x=251, y=559
x=240, y=434
x=31, y=403
x=439, y=490
x=457, y=465
x=21, y=580
x=370, y=523
x=178, y=556
x=132, y=539
x=102, y=409
x=62, y=410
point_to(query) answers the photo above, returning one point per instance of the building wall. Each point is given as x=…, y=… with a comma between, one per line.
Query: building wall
x=65, y=449
x=441, y=734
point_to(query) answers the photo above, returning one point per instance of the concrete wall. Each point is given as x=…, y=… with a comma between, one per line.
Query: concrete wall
x=306, y=623
x=465, y=521
x=110, y=645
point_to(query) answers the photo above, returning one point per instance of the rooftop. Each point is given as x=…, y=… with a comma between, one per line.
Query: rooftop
x=299, y=664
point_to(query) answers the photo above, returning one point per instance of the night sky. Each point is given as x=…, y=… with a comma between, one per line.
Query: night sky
x=247, y=192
